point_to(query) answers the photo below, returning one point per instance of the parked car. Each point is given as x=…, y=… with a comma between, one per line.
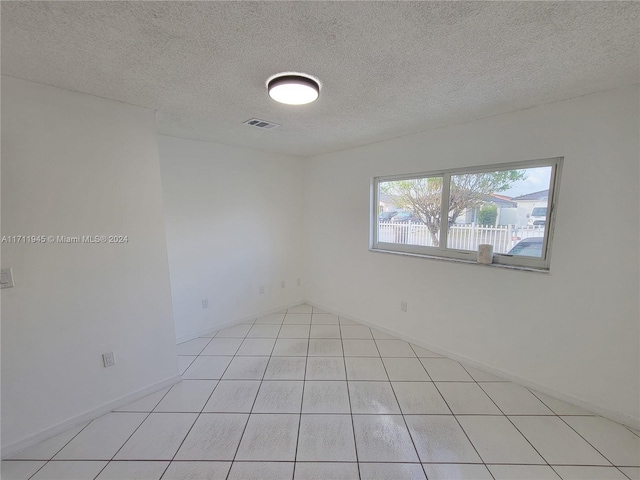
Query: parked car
x=528, y=247
x=386, y=216
x=538, y=216
x=406, y=217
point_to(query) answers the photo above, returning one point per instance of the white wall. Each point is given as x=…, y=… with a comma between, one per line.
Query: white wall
x=73, y=164
x=574, y=331
x=234, y=223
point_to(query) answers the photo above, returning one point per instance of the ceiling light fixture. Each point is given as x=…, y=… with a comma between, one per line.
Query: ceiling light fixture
x=293, y=88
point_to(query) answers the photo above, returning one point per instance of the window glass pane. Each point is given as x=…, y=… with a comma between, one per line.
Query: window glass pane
x=409, y=211
x=505, y=208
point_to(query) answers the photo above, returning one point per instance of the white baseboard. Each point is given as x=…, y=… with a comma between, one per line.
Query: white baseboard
x=220, y=326
x=86, y=416
x=622, y=418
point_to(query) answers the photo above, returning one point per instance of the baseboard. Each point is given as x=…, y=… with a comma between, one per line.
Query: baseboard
x=86, y=416
x=220, y=326
x=622, y=418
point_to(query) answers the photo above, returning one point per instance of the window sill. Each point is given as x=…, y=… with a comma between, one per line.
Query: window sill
x=458, y=260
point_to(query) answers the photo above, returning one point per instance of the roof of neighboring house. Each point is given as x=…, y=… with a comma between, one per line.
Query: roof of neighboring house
x=501, y=201
x=541, y=195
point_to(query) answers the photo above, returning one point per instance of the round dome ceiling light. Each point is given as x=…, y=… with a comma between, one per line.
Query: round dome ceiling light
x=293, y=89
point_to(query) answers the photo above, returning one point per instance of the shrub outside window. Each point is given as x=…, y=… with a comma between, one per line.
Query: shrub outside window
x=449, y=213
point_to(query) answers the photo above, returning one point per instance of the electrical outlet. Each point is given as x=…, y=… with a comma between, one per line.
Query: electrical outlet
x=282, y=284
x=108, y=359
x=403, y=306
x=205, y=303
x=299, y=281
x=261, y=289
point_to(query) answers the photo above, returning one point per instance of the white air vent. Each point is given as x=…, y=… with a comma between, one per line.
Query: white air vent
x=263, y=124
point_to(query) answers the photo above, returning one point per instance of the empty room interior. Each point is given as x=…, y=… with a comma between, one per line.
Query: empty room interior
x=320, y=240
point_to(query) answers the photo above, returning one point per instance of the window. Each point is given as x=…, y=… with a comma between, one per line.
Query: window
x=449, y=213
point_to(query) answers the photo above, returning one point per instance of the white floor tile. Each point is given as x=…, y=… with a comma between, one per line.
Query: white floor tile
x=556, y=442
x=192, y=347
x=264, y=331
x=589, y=473
x=445, y=370
x=240, y=330
x=145, y=404
x=395, y=348
x=158, y=438
x=523, y=472
x=184, y=362
x=304, y=308
x=373, y=397
x=424, y=353
x=19, y=469
x=325, y=331
x=395, y=471
x=128, y=470
x=346, y=321
x=405, y=370
x=326, y=471
x=325, y=347
x=222, y=346
x=291, y=347
x=66, y=470
x=270, y=437
x=279, y=396
x=46, y=449
x=325, y=368
x=481, y=376
x=294, y=331
x=272, y=319
x=360, y=348
x=467, y=398
x=285, y=368
x=559, y=407
x=261, y=471
x=452, y=471
x=197, y=471
x=614, y=441
x=355, y=331
x=326, y=438
x=364, y=368
x=102, y=438
x=326, y=397
x=318, y=310
x=187, y=396
x=233, y=396
x=246, y=368
x=513, y=399
x=214, y=436
x=378, y=335
x=439, y=439
x=419, y=398
x=498, y=441
x=632, y=472
x=256, y=346
x=383, y=438
x=297, y=319
x=324, y=319
x=207, y=368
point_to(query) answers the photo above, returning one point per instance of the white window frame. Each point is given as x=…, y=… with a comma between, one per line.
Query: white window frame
x=442, y=252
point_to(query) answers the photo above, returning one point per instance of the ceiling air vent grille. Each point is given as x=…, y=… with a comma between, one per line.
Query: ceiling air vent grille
x=262, y=124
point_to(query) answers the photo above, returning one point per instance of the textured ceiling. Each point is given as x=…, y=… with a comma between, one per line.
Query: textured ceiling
x=387, y=68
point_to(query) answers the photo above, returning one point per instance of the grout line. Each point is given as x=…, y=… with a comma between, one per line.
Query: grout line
x=346, y=379
x=254, y=400
x=304, y=383
x=404, y=420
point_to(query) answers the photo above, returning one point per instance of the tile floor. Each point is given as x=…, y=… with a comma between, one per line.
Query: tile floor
x=307, y=395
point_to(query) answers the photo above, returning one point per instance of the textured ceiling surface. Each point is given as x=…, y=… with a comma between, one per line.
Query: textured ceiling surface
x=387, y=68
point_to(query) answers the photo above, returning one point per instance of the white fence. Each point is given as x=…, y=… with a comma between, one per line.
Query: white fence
x=461, y=236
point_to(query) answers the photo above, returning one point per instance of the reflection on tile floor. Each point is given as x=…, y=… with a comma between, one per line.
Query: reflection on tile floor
x=307, y=395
